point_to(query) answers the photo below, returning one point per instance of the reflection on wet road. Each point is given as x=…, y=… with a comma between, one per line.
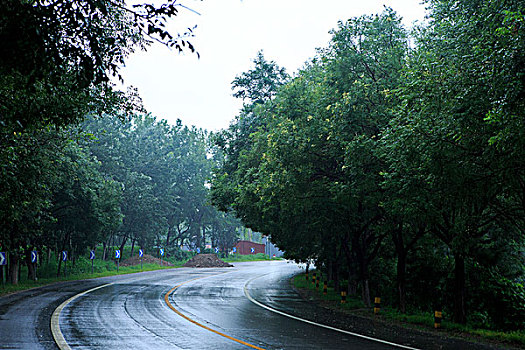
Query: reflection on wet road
x=137, y=311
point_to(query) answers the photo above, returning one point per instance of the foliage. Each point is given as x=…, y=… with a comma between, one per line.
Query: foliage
x=395, y=154
x=163, y=171
x=507, y=307
x=259, y=84
x=61, y=56
x=56, y=68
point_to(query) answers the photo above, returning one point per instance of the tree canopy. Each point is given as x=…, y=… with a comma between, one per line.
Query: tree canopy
x=391, y=149
x=81, y=163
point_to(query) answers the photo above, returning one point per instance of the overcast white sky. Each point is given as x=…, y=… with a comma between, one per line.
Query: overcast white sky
x=228, y=36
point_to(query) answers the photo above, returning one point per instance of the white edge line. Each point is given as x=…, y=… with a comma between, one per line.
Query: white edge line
x=315, y=323
x=55, y=319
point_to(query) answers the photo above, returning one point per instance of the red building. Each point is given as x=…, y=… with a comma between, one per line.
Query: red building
x=245, y=247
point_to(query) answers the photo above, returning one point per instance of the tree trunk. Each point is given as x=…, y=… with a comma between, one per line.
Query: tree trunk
x=168, y=236
x=64, y=244
x=13, y=269
x=365, y=292
x=132, y=246
x=460, y=315
x=401, y=281
x=352, y=286
x=59, y=257
x=337, y=285
x=104, y=250
x=124, y=240
x=364, y=277
x=352, y=273
x=31, y=270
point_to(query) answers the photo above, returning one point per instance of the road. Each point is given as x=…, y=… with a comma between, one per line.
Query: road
x=214, y=308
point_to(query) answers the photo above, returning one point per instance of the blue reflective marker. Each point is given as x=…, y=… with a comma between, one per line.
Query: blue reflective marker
x=117, y=254
x=141, y=253
x=64, y=256
x=3, y=260
x=92, y=255
x=34, y=256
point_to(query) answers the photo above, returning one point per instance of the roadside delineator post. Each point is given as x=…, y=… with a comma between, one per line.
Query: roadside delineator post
x=141, y=255
x=92, y=258
x=438, y=316
x=3, y=262
x=64, y=259
x=317, y=283
x=117, y=257
x=34, y=262
x=343, y=297
x=325, y=287
x=306, y=276
x=313, y=278
x=377, y=305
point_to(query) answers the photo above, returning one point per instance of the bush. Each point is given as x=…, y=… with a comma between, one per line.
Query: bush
x=505, y=302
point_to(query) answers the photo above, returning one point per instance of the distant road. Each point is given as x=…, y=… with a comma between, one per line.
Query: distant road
x=215, y=308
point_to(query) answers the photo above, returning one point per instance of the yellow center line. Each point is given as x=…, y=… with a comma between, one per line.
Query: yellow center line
x=166, y=299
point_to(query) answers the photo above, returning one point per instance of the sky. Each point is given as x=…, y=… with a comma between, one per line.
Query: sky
x=228, y=36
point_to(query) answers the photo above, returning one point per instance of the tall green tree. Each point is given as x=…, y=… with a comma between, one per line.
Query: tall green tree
x=56, y=66
x=443, y=145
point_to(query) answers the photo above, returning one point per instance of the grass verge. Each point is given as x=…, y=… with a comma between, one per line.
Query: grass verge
x=25, y=284
x=244, y=258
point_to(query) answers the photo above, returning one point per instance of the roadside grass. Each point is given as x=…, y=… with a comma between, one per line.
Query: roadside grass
x=351, y=303
x=422, y=320
x=75, y=275
x=243, y=258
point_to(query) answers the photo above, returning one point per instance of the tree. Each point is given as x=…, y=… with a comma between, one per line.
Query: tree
x=84, y=204
x=27, y=178
x=259, y=84
x=441, y=146
x=56, y=66
x=309, y=173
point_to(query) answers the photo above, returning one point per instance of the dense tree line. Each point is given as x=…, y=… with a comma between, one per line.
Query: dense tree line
x=81, y=163
x=394, y=160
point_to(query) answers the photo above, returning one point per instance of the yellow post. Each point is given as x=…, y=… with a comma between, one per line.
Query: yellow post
x=343, y=297
x=438, y=316
x=325, y=288
x=377, y=305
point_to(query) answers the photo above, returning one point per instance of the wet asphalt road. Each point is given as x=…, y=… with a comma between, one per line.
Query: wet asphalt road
x=134, y=312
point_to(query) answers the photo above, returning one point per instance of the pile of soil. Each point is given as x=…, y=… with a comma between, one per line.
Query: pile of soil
x=146, y=259
x=206, y=260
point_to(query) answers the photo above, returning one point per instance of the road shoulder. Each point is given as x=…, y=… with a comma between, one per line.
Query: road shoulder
x=392, y=331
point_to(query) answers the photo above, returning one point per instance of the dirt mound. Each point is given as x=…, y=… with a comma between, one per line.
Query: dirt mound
x=206, y=260
x=146, y=259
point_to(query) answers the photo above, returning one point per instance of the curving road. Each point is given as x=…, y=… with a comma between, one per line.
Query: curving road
x=248, y=306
